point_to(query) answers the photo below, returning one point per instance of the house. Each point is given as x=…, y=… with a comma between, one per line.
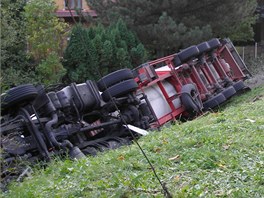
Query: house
x=71, y=10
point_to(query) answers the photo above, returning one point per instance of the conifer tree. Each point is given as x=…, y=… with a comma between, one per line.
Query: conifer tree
x=168, y=25
x=98, y=50
x=80, y=56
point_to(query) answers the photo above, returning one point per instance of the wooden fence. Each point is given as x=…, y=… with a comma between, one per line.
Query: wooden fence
x=251, y=51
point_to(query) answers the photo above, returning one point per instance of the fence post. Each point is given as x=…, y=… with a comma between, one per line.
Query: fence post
x=256, y=50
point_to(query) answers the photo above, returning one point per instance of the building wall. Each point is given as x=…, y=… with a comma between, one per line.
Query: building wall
x=61, y=4
x=75, y=13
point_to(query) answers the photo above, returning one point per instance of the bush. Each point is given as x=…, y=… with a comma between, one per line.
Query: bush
x=98, y=50
x=44, y=31
x=11, y=77
x=13, y=38
x=51, y=70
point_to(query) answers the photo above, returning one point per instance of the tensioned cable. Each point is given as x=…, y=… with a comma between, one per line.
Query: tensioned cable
x=163, y=185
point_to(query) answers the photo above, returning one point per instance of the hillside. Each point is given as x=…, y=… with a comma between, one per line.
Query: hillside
x=220, y=154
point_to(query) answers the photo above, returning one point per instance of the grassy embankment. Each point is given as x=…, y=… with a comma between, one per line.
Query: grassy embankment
x=218, y=154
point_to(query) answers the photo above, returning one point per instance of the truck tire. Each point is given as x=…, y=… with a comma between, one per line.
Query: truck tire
x=203, y=47
x=239, y=85
x=113, y=78
x=214, y=101
x=214, y=43
x=177, y=62
x=18, y=95
x=188, y=53
x=119, y=89
x=229, y=92
x=190, y=99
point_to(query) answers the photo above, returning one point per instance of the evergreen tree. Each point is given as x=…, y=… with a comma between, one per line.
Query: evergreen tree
x=80, y=56
x=167, y=25
x=99, y=50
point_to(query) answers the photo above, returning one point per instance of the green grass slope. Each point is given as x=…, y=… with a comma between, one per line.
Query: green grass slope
x=220, y=154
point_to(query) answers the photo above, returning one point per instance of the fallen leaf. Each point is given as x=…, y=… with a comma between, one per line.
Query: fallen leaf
x=121, y=157
x=164, y=141
x=221, y=165
x=177, y=157
x=177, y=178
x=157, y=150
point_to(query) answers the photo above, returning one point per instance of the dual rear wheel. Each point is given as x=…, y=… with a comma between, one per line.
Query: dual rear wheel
x=117, y=84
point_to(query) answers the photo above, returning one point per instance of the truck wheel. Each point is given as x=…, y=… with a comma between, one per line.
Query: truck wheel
x=214, y=43
x=203, y=47
x=190, y=98
x=214, y=102
x=113, y=78
x=177, y=62
x=188, y=53
x=239, y=85
x=229, y=92
x=120, y=89
x=18, y=95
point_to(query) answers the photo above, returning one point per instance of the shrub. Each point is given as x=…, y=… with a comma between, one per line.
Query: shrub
x=44, y=30
x=98, y=50
x=11, y=77
x=13, y=38
x=51, y=70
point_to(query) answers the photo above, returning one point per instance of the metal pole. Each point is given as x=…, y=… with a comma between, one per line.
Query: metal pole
x=256, y=50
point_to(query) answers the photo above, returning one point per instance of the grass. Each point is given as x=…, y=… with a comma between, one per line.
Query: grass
x=220, y=154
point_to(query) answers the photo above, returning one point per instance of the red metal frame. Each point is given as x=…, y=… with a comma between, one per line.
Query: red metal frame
x=176, y=76
x=208, y=79
x=237, y=73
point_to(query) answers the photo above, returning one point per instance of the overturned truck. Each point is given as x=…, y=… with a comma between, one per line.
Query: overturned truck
x=83, y=119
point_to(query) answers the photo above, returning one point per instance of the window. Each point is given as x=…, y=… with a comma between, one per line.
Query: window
x=73, y=4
